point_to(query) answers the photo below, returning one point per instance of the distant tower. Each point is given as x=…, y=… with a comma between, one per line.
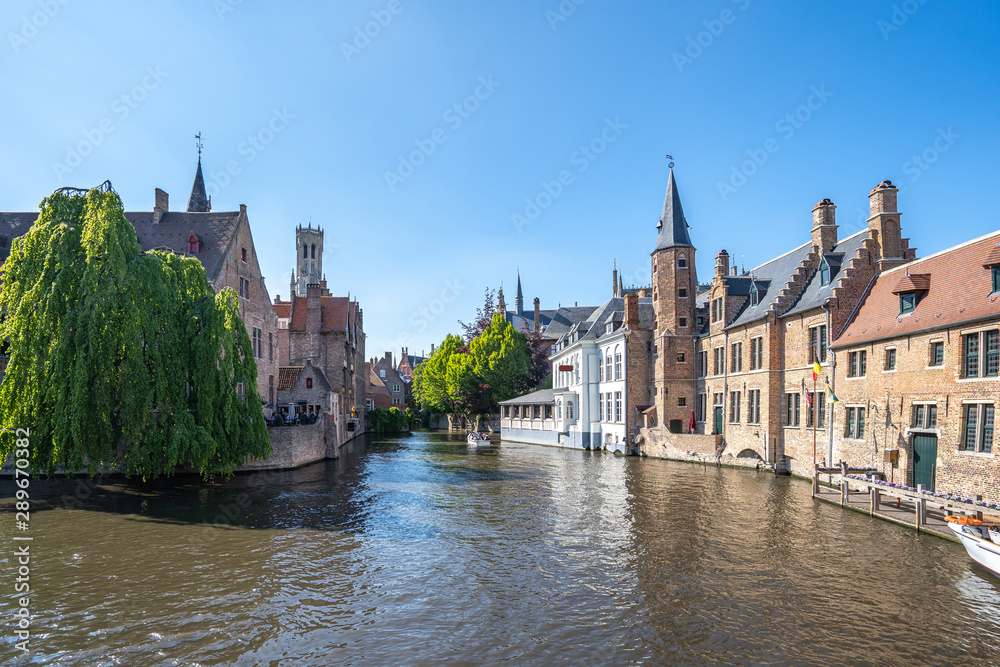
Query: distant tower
x=674, y=283
x=199, y=202
x=309, y=254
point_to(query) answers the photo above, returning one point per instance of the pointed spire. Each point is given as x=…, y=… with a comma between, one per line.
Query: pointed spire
x=198, y=202
x=291, y=286
x=519, y=297
x=673, y=226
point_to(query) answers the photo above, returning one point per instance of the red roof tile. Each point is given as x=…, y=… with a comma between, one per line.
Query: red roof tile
x=287, y=375
x=283, y=309
x=961, y=292
x=993, y=258
x=333, y=313
x=913, y=283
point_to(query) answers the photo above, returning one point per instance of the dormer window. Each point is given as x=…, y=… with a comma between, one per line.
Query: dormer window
x=194, y=245
x=824, y=273
x=994, y=269
x=911, y=288
x=754, y=295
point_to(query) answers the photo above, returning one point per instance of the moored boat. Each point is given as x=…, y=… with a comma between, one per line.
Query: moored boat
x=980, y=540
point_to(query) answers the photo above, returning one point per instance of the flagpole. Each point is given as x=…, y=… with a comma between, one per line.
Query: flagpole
x=815, y=419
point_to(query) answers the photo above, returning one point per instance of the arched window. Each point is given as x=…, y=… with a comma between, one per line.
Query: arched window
x=600, y=366
x=682, y=261
x=576, y=370
x=305, y=251
x=618, y=362
x=569, y=409
x=607, y=366
x=312, y=251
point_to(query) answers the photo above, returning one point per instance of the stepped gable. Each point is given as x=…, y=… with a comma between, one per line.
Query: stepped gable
x=840, y=260
x=776, y=281
x=955, y=287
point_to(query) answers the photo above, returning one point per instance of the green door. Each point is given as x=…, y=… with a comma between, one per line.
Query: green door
x=924, y=460
x=718, y=419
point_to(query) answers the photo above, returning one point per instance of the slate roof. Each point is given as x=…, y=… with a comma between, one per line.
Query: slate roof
x=198, y=201
x=815, y=294
x=673, y=226
x=215, y=231
x=770, y=278
x=613, y=310
x=535, y=397
x=564, y=318
x=13, y=225
x=959, y=291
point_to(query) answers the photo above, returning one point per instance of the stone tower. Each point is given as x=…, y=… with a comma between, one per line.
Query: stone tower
x=674, y=285
x=884, y=226
x=309, y=251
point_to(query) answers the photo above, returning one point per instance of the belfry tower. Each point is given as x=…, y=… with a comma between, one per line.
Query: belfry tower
x=309, y=251
x=674, y=285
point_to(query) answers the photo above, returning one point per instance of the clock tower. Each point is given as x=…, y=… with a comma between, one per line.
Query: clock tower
x=309, y=254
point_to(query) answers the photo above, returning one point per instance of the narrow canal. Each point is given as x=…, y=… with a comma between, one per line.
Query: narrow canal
x=418, y=551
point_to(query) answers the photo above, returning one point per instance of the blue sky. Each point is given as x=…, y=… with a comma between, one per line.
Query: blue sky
x=307, y=117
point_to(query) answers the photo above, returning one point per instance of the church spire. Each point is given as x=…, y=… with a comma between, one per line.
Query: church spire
x=198, y=202
x=673, y=226
x=519, y=298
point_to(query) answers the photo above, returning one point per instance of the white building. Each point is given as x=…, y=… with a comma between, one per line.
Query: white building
x=589, y=405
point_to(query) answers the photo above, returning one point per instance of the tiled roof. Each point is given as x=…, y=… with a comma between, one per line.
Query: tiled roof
x=815, y=294
x=334, y=312
x=287, y=375
x=283, y=309
x=912, y=283
x=214, y=230
x=959, y=291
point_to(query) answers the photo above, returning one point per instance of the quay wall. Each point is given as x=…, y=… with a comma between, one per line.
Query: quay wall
x=660, y=443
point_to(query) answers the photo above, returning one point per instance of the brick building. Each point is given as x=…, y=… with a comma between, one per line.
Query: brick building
x=742, y=351
x=325, y=330
x=917, y=372
x=396, y=385
x=377, y=395
x=222, y=242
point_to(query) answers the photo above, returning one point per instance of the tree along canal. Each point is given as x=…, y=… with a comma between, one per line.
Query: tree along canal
x=423, y=551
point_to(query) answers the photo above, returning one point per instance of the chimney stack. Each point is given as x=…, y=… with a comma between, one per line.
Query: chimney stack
x=722, y=264
x=614, y=282
x=161, y=205
x=632, y=311
x=884, y=225
x=824, y=230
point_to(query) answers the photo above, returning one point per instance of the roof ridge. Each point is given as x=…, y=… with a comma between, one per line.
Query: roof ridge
x=941, y=252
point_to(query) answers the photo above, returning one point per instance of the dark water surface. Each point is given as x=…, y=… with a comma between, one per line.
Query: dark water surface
x=418, y=551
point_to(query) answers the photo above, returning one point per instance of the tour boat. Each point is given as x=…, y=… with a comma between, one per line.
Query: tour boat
x=478, y=439
x=980, y=540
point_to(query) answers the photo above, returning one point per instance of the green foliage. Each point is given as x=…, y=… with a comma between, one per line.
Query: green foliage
x=120, y=357
x=389, y=421
x=472, y=380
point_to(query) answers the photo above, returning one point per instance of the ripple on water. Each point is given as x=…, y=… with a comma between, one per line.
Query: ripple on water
x=419, y=552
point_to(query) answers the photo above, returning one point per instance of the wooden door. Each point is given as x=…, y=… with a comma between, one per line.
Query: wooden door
x=924, y=459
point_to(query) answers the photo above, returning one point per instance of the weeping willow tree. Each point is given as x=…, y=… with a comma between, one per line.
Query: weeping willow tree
x=121, y=358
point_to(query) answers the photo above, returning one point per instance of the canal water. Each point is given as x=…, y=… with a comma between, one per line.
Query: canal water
x=420, y=551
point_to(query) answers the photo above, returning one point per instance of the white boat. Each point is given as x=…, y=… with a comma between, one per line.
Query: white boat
x=478, y=439
x=981, y=541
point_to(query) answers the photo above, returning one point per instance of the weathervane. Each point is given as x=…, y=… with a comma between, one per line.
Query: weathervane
x=671, y=158
x=199, y=144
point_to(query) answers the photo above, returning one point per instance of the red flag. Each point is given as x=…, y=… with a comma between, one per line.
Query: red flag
x=693, y=424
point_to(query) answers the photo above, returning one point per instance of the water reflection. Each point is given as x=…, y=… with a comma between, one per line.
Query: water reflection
x=422, y=551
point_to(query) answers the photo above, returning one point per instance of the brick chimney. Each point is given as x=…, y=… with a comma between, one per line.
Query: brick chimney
x=884, y=225
x=824, y=230
x=160, y=205
x=721, y=264
x=314, y=308
x=388, y=359
x=538, y=314
x=632, y=311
